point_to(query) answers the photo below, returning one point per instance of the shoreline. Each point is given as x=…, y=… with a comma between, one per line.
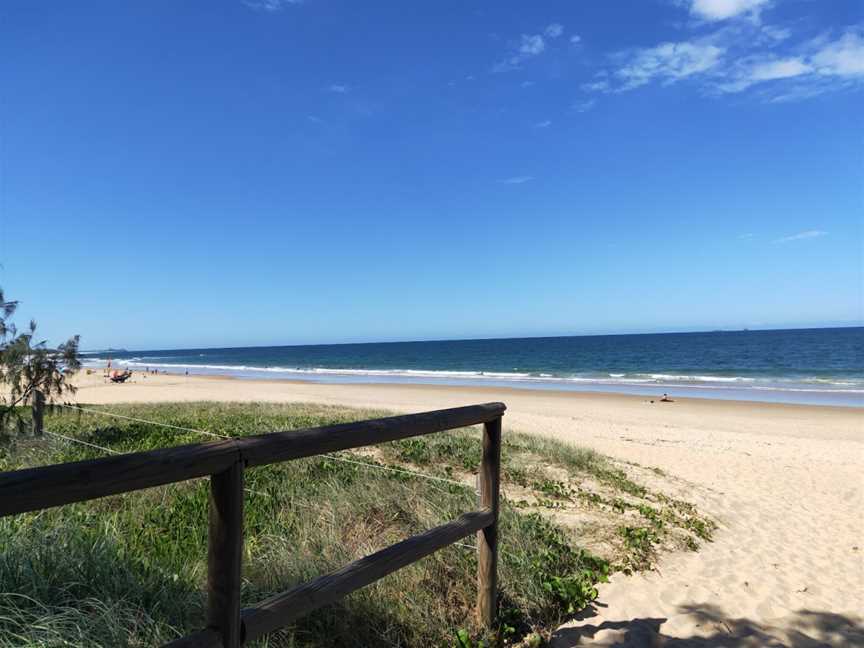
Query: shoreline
x=847, y=399
x=477, y=388
x=403, y=397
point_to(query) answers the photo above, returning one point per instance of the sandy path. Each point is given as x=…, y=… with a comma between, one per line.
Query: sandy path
x=785, y=482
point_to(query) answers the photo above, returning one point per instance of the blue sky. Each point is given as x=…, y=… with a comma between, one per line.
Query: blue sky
x=229, y=173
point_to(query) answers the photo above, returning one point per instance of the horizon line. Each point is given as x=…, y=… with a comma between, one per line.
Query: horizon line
x=479, y=339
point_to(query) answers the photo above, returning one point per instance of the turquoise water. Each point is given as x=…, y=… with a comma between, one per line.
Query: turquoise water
x=823, y=366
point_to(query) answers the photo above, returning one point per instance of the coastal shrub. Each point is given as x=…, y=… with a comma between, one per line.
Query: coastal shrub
x=28, y=365
x=640, y=542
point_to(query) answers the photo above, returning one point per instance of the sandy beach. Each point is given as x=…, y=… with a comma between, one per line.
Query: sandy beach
x=785, y=483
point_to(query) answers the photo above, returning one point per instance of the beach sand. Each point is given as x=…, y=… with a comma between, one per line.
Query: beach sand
x=785, y=483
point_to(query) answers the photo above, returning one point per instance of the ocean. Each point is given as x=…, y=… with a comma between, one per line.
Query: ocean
x=816, y=366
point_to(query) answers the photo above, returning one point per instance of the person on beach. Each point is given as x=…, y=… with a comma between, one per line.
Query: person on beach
x=666, y=399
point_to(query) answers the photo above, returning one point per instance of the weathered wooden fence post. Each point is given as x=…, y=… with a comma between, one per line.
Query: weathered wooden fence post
x=225, y=554
x=38, y=406
x=487, y=538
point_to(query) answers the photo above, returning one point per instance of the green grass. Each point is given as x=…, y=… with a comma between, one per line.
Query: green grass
x=129, y=570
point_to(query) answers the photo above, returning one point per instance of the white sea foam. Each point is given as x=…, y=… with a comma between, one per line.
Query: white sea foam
x=611, y=379
x=720, y=379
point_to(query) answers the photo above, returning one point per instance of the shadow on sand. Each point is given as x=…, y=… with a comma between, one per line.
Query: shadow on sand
x=804, y=629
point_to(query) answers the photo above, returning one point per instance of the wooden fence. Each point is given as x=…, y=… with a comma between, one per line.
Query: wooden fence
x=226, y=461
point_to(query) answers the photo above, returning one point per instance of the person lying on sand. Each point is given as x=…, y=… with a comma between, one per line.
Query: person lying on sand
x=118, y=377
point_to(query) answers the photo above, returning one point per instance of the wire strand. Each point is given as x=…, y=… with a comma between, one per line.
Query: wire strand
x=465, y=546
x=86, y=443
x=397, y=470
x=132, y=418
x=115, y=452
x=224, y=436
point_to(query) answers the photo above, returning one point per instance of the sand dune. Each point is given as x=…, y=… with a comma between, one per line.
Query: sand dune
x=785, y=482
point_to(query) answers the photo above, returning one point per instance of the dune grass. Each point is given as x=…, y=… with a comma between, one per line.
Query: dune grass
x=129, y=570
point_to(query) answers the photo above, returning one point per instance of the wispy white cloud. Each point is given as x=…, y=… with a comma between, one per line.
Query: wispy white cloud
x=339, y=88
x=517, y=180
x=515, y=61
x=734, y=59
x=270, y=5
x=554, y=30
x=546, y=123
x=526, y=84
x=595, y=86
x=806, y=89
x=575, y=38
x=745, y=237
x=668, y=63
x=776, y=34
x=819, y=66
x=779, y=69
x=584, y=106
x=531, y=45
x=808, y=234
x=714, y=10
x=843, y=57
x=748, y=72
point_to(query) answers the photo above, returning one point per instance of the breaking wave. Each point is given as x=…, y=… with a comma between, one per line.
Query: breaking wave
x=798, y=383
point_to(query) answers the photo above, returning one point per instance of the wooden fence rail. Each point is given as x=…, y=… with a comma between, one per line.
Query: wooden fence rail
x=226, y=462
